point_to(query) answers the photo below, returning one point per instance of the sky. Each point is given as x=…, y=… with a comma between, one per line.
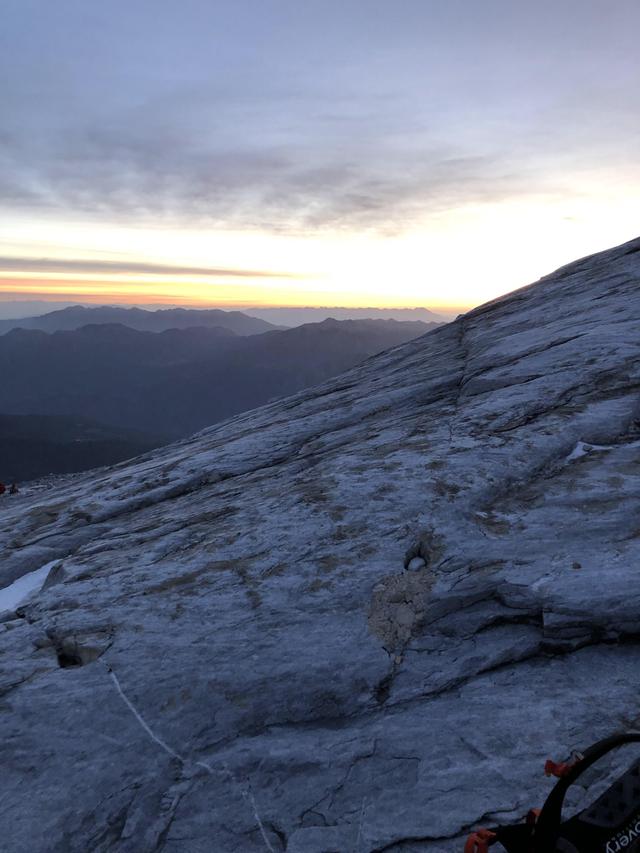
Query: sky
x=432, y=153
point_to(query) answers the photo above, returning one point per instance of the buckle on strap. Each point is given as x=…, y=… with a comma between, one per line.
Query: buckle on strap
x=479, y=841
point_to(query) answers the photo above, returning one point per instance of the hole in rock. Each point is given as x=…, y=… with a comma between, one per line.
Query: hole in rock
x=71, y=654
x=67, y=660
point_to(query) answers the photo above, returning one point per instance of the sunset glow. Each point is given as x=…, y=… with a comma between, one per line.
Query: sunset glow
x=369, y=166
x=453, y=262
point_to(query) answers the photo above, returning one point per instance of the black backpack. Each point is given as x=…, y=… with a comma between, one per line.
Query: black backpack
x=609, y=825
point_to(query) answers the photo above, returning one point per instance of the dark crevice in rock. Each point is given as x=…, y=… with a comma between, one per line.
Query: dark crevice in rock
x=383, y=689
x=77, y=650
x=522, y=618
x=162, y=837
x=463, y=352
x=280, y=834
x=67, y=660
x=109, y=835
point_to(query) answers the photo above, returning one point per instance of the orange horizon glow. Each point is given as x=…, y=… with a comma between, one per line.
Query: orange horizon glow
x=451, y=263
x=107, y=293
x=313, y=157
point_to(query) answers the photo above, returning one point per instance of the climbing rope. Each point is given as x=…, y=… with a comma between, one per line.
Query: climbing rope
x=247, y=795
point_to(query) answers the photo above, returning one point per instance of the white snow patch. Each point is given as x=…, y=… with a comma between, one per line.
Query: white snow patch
x=582, y=448
x=18, y=591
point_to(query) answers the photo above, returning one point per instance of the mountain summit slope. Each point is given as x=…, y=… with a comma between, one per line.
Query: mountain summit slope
x=360, y=618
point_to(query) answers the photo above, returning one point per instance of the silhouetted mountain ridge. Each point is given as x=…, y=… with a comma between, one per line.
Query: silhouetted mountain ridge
x=176, y=382
x=298, y=316
x=68, y=319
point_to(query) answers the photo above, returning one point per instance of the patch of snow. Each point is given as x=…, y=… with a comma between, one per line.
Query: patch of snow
x=583, y=448
x=13, y=595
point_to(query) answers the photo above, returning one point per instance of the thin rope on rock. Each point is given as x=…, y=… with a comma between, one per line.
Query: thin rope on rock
x=140, y=719
x=360, y=825
x=247, y=795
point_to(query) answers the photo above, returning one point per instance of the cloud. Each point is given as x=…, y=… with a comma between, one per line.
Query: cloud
x=88, y=267
x=351, y=178
x=241, y=116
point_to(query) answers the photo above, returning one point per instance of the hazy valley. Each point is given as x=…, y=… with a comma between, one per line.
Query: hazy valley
x=145, y=388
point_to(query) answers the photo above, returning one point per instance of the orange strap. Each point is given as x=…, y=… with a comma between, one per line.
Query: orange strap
x=559, y=768
x=533, y=816
x=478, y=841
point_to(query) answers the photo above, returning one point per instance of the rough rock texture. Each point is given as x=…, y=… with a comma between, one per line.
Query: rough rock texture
x=370, y=611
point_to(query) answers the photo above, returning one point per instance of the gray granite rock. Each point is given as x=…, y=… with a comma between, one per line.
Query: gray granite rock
x=231, y=655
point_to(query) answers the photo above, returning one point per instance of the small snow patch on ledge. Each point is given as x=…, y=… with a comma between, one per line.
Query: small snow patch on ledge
x=18, y=591
x=582, y=448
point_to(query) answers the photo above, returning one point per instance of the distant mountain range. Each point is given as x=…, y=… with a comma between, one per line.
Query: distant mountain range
x=29, y=315
x=68, y=319
x=298, y=316
x=20, y=308
x=169, y=384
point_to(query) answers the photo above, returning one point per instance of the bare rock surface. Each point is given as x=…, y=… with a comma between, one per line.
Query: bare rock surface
x=355, y=620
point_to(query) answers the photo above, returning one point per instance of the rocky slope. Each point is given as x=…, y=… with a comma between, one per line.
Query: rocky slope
x=249, y=589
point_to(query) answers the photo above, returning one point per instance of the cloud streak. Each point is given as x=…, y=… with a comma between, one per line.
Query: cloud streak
x=99, y=267
x=352, y=180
